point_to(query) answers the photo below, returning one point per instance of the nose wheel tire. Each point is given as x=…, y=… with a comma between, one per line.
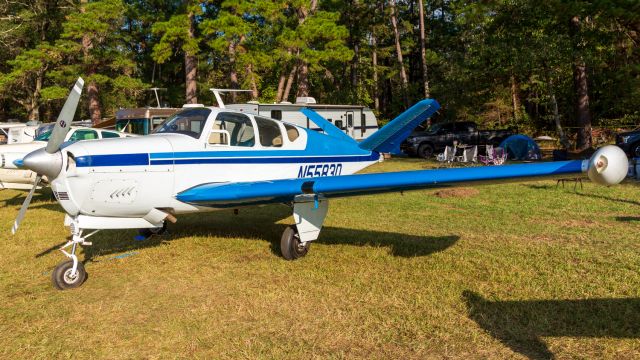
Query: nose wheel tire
x=63, y=277
x=291, y=246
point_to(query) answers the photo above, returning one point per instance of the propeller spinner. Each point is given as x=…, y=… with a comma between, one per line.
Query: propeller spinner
x=48, y=161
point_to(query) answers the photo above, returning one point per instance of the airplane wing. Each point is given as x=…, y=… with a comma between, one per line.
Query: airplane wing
x=222, y=195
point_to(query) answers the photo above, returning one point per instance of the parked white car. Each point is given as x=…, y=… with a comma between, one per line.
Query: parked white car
x=12, y=177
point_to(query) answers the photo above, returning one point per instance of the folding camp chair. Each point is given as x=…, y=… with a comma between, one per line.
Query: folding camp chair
x=470, y=154
x=448, y=155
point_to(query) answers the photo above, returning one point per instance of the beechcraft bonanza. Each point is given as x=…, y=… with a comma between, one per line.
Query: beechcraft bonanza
x=204, y=159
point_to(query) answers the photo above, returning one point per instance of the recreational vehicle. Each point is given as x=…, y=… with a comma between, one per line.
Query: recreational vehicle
x=14, y=133
x=357, y=121
x=142, y=121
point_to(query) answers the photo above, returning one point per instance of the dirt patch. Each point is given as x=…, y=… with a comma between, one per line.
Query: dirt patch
x=456, y=192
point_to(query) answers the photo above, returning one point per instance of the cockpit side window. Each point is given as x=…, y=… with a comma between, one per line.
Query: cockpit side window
x=188, y=122
x=238, y=126
x=270, y=133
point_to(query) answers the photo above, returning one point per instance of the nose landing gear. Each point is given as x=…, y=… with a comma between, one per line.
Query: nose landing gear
x=71, y=273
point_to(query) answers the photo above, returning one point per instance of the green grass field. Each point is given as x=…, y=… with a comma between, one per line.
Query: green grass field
x=499, y=271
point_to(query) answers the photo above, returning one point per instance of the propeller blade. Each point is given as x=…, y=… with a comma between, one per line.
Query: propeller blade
x=25, y=205
x=65, y=118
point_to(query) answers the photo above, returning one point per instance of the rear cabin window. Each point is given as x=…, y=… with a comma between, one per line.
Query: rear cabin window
x=292, y=132
x=238, y=126
x=270, y=133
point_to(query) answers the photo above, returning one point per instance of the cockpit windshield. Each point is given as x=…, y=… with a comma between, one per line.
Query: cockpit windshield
x=188, y=122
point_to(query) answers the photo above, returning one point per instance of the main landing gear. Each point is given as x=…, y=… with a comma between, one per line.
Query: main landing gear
x=290, y=245
x=309, y=212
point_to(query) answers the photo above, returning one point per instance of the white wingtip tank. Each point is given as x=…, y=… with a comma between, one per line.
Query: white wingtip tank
x=608, y=166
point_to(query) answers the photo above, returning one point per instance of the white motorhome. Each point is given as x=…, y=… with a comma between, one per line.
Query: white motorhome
x=357, y=121
x=15, y=133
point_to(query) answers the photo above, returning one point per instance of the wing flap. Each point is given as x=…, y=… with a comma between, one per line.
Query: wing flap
x=278, y=191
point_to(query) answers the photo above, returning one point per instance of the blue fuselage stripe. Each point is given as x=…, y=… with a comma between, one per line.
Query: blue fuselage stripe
x=113, y=160
x=166, y=159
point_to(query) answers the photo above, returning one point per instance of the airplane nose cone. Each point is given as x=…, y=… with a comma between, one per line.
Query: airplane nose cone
x=44, y=163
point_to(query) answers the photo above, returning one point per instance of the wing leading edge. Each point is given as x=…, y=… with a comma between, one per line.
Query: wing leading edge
x=277, y=191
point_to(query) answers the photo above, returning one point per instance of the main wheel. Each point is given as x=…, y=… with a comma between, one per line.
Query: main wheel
x=291, y=246
x=147, y=233
x=425, y=151
x=63, y=278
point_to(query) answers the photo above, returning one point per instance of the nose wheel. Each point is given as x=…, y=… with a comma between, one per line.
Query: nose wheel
x=290, y=245
x=65, y=277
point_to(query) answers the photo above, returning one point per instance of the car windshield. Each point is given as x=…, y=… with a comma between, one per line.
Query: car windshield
x=133, y=126
x=187, y=122
x=433, y=128
x=44, y=136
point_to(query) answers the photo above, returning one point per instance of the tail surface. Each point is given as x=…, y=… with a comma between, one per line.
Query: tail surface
x=388, y=139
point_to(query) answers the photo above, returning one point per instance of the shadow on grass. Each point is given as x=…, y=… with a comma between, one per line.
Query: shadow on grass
x=608, y=198
x=628, y=218
x=259, y=224
x=521, y=324
x=42, y=195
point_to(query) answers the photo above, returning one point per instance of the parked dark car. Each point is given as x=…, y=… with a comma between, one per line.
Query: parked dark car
x=629, y=142
x=425, y=142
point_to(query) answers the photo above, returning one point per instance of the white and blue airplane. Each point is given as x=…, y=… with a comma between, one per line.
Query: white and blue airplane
x=204, y=159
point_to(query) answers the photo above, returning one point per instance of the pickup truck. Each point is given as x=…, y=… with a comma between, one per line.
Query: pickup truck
x=425, y=142
x=629, y=142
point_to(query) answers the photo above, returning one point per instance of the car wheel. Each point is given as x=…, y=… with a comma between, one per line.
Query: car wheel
x=425, y=151
x=635, y=152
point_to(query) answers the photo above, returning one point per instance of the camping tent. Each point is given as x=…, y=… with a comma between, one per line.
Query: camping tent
x=521, y=147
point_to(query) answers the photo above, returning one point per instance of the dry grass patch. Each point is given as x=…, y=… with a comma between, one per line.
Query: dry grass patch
x=512, y=271
x=462, y=192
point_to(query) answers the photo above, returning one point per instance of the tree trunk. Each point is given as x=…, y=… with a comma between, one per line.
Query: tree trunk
x=580, y=83
x=354, y=66
x=191, y=68
x=582, y=105
x=423, y=52
x=252, y=81
x=515, y=98
x=564, y=141
x=281, y=83
x=403, y=74
x=303, y=80
x=34, y=107
x=233, y=75
x=374, y=61
x=287, y=89
x=303, y=69
x=556, y=116
x=93, y=93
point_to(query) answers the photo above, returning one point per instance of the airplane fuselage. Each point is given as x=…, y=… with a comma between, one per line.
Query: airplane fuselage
x=131, y=177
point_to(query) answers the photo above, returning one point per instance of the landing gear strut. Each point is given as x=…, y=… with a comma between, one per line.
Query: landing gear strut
x=291, y=246
x=71, y=273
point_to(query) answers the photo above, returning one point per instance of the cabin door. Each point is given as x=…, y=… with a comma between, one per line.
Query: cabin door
x=348, y=128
